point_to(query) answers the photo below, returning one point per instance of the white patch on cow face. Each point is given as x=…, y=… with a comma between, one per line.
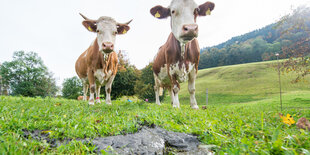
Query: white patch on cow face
x=106, y=31
x=182, y=12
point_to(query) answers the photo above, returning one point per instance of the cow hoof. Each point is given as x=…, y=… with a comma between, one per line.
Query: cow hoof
x=91, y=103
x=109, y=103
x=195, y=107
x=158, y=103
x=175, y=106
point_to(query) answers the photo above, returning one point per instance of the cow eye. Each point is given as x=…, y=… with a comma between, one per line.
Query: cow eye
x=115, y=32
x=97, y=31
x=172, y=11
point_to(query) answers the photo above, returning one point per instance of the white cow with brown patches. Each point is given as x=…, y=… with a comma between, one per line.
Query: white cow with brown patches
x=97, y=66
x=177, y=60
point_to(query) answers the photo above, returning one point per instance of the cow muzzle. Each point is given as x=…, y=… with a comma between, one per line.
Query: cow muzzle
x=107, y=47
x=189, y=32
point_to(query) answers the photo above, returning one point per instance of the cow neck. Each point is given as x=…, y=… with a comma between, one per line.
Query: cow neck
x=178, y=46
x=105, y=56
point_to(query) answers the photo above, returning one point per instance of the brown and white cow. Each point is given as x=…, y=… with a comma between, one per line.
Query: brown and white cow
x=177, y=60
x=97, y=66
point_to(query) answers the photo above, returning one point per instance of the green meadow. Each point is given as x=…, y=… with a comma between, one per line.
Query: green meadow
x=242, y=116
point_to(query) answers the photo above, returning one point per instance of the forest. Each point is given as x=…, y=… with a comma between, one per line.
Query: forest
x=258, y=45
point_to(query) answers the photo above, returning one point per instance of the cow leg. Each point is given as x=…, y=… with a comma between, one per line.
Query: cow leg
x=171, y=95
x=175, y=88
x=98, y=86
x=191, y=89
x=91, y=79
x=108, y=89
x=176, y=102
x=156, y=89
x=85, y=90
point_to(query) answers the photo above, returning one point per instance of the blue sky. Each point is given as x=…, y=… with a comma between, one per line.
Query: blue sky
x=53, y=29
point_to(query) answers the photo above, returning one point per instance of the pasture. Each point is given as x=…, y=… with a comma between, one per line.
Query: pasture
x=241, y=118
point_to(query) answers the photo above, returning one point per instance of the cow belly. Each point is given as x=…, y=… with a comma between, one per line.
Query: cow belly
x=181, y=73
x=163, y=77
x=102, y=77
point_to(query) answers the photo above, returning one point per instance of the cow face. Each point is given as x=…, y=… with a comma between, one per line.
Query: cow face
x=183, y=17
x=106, y=29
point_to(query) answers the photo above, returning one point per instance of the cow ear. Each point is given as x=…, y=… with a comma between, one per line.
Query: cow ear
x=206, y=8
x=90, y=25
x=160, y=12
x=122, y=29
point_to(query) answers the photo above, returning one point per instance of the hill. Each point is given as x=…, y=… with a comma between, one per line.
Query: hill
x=241, y=83
x=259, y=45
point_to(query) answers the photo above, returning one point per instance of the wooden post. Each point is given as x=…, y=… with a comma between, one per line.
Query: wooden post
x=207, y=96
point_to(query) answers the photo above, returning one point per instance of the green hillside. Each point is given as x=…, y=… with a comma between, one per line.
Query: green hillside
x=241, y=83
x=261, y=44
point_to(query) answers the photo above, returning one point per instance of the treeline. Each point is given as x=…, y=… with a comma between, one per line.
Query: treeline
x=26, y=75
x=255, y=46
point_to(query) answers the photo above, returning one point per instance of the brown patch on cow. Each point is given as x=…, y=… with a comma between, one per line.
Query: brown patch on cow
x=92, y=88
x=303, y=123
x=160, y=12
x=203, y=8
x=109, y=90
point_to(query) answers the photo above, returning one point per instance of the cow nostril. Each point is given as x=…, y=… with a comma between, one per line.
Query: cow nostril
x=185, y=29
x=112, y=46
x=104, y=45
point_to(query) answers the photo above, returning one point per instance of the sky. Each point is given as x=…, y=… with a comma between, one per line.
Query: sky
x=53, y=28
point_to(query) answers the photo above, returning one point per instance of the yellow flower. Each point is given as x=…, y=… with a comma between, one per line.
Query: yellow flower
x=65, y=116
x=57, y=104
x=289, y=120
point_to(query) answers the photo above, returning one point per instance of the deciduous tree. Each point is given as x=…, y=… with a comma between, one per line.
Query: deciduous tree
x=27, y=75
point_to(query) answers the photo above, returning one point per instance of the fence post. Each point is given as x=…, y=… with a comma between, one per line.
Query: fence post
x=207, y=97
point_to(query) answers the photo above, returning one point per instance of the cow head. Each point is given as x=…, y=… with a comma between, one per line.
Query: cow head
x=183, y=17
x=107, y=29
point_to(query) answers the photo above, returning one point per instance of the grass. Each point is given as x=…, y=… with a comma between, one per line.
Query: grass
x=241, y=83
x=237, y=121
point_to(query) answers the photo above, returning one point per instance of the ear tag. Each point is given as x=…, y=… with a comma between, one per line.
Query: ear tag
x=90, y=29
x=124, y=31
x=208, y=12
x=157, y=15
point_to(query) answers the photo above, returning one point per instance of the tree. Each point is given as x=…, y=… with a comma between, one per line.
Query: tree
x=295, y=28
x=124, y=82
x=125, y=79
x=72, y=88
x=26, y=75
x=145, y=85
